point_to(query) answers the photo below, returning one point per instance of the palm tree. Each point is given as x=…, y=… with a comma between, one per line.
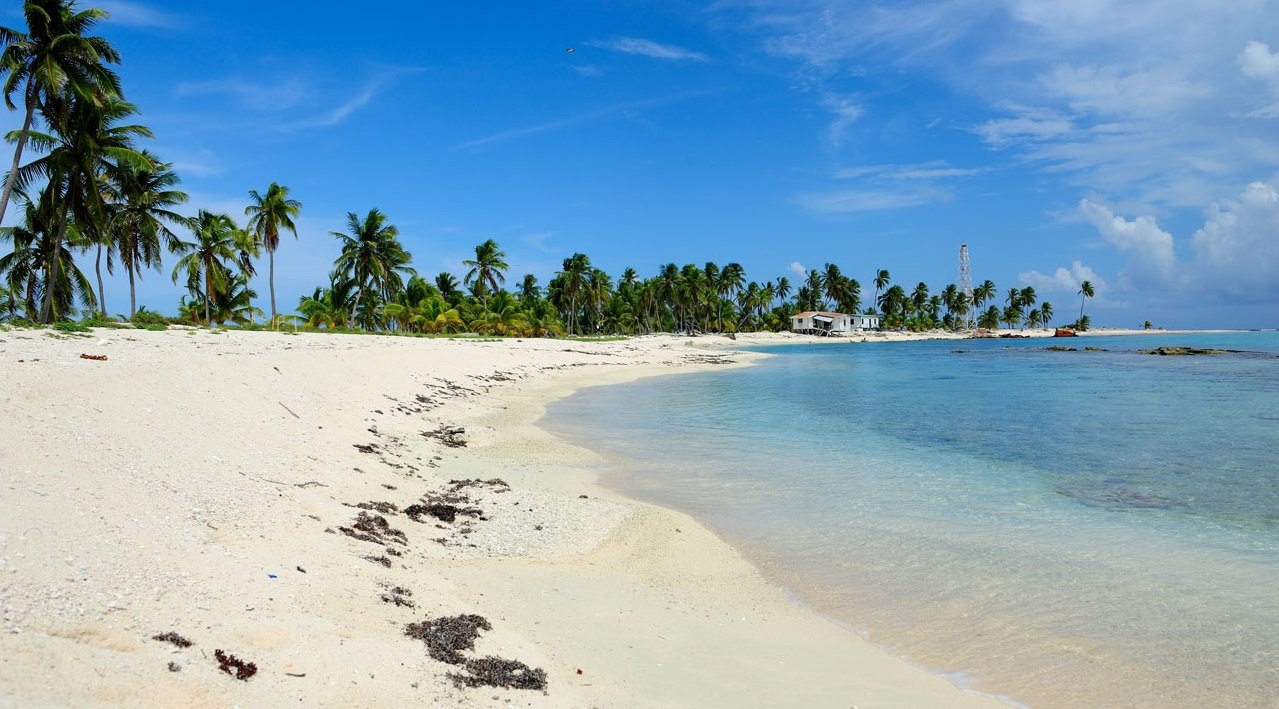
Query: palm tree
x=488, y=268
x=28, y=271
x=1085, y=291
x=268, y=213
x=783, y=289
x=448, y=285
x=373, y=257
x=983, y=293
x=529, y=291
x=52, y=60
x=881, y=281
x=142, y=216
x=207, y=258
x=86, y=143
x=1046, y=312
x=573, y=276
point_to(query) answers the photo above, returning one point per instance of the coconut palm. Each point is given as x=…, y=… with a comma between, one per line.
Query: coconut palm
x=373, y=257
x=27, y=269
x=488, y=269
x=1085, y=292
x=87, y=141
x=268, y=214
x=49, y=62
x=142, y=216
x=573, y=280
x=1046, y=312
x=206, y=260
x=882, y=279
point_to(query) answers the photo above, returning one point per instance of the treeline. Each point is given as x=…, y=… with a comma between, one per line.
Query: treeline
x=94, y=194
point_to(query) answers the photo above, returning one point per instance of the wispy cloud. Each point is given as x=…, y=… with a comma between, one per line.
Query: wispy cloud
x=648, y=48
x=274, y=95
x=134, y=14
x=591, y=116
x=870, y=200
x=844, y=112
x=342, y=111
x=934, y=170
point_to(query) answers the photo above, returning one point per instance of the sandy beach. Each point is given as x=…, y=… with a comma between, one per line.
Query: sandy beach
x=296, y=501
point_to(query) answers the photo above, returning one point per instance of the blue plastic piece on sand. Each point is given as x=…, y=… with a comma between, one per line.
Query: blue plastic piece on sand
x=272, y=576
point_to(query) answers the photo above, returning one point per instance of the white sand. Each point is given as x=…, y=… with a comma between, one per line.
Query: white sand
x=160, y=490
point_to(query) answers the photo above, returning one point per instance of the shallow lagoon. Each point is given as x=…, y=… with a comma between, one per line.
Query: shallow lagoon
x=1063, y=528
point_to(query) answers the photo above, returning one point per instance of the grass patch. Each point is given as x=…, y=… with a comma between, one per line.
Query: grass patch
x=604, y=338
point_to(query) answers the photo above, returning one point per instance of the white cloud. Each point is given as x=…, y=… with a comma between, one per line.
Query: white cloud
x=1063, y=280
x=135, y=14
x=1257, y=61
x=604, y=112
x=259, y=96
x=933, y=170
x=1152, y=259
x=798, y=269
x=1237, y=249
x=649, y=48
x=845, y=113
x=1116, y=91
x=870, y=200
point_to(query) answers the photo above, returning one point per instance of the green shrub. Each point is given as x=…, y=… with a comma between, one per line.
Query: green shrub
x=149, y=319
x=68, y=326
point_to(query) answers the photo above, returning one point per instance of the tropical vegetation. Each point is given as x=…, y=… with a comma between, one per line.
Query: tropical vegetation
x=94, y=193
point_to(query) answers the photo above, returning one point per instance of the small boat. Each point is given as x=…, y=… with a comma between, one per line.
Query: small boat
x=1065, y=332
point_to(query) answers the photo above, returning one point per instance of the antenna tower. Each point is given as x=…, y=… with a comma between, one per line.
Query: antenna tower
x=965, y=274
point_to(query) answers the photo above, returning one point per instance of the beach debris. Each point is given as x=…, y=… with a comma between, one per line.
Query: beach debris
x=173, y=639
x=295, y=674
x=1184, y=351
x=441, y=511
x=301, y=569
x=450, y=436
x=94, y=357
x=498, y=484
x=365, y=447
x=381, y=560
x=385, y=508
x=498, y=672
x=399, y=597
x=373, y=528
x=175, y=667
x=234, y=666
x=281, y=403
x=446, y=637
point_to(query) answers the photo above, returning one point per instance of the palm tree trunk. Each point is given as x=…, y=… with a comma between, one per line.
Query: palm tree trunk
x=102, y=296
x=133, y=295
x=46, y=311
x=208, y=294
x=17, y=155
x=271, y=280
x=1081, y=307
x=359, y=294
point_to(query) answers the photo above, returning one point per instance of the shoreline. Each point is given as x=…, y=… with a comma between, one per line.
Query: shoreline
x=197, y=467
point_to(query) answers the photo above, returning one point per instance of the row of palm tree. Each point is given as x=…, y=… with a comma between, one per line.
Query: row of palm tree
x=93, y=192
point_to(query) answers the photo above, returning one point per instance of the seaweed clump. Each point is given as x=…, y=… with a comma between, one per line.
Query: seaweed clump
x=497, y=672
x=399, y=596
x=373, y=528
x=173, y=638
x=445, y=638
x=234, y=666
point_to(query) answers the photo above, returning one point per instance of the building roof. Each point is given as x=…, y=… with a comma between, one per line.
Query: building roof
x=811, y=313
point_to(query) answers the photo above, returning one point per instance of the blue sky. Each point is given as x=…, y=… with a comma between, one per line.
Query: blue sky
x=1132, y=143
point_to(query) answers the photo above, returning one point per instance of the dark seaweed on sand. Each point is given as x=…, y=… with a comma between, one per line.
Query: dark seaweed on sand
x=445, y=638
x=234, y=666
x=497, y=672
x=172, y=637
x=373, y=528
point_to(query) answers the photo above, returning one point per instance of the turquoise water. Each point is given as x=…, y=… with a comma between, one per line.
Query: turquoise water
x=1060, y=528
